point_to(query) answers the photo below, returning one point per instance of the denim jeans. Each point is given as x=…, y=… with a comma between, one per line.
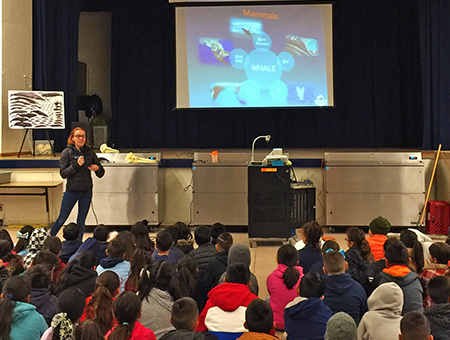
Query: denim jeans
x=68, y=202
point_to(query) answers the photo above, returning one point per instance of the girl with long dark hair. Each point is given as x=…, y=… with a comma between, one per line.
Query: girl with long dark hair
x=127, y=308
x=19, y=319
x=282, y=283
x=157, y=290
x=311, y=253
x=99, y=306
x=358, y=256
x=415, y=250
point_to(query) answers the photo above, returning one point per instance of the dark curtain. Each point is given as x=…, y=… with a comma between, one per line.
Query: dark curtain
x=380, y=50
x=435, y=48
x=55, y=55
x=378, y=87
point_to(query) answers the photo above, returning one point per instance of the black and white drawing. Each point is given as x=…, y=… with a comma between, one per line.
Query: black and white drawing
x=36, y=109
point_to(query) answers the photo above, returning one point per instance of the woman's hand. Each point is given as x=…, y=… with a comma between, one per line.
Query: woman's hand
x=80, y=160
x=93, y=167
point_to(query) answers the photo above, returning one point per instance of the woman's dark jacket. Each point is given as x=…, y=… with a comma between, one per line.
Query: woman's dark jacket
x=79, y=177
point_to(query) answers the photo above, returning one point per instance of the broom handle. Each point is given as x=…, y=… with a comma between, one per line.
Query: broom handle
x=431, y=184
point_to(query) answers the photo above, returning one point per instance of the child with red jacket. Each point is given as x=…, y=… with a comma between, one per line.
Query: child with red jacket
x=224, y=313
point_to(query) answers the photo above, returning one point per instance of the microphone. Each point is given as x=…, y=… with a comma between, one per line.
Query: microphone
x=266, y=137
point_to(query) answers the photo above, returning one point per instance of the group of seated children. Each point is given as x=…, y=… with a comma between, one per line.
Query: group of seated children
x=126, y=288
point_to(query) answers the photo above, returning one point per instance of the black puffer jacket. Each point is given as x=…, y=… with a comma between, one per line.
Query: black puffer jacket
x=79, y=177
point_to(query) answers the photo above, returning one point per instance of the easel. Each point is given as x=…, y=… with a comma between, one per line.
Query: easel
x=32, y=139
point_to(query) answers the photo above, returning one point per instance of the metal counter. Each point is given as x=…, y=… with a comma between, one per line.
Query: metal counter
x=220, y=189
x=127, y=193
x=363, y=185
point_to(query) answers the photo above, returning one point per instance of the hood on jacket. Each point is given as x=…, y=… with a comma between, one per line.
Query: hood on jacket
x=439, y=314
x=302, y=308
x=79, y=274
x=387, y=297
x=110, y=262
x=162, y=297
x=400, y=280
x=338, y=284
x=279, y=271
x=37, y=239
x=239, y=253
x=222, y=256
x=22, y=310
x=229, y=296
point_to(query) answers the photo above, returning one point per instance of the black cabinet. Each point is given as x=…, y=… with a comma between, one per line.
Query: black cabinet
x=275, y=207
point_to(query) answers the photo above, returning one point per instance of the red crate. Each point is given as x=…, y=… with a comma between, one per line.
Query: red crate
x=438, y=217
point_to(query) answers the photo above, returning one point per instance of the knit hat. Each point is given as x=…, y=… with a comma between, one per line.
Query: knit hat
x=239, y=253
x=380, y=225
x=341, y=326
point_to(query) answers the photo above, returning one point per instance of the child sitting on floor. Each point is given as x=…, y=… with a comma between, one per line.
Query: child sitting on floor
x=185, y=319
x=342, y=293
x=282, y=283
x=306, y=316
x=258, y=321
x=115, y=261
x=127, y=308
x=72, y=242
x=439, y=314
x=415, y=326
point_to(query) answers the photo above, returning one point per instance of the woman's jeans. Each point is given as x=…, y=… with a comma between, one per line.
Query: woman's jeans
x=68, y=202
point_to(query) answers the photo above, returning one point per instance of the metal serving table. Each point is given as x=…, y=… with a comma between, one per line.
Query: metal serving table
x=220, y=189
x=363, y=185
x=128, y=192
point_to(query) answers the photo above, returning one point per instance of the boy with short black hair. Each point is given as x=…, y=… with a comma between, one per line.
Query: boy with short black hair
x=439, y=314
x=258, y=321
x=115, y=261
x=218, y=265
x=397, y=271
x=224, y=312
x=342, y=293
x=306, y=316
x=96, y=244
x=165, y=249
x=415, y=326
x=327, y=246
x=185, y=319
x=205, y=251
x=217, y=229
x=71, y=234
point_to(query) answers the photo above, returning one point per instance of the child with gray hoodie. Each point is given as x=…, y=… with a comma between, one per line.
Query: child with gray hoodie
x=382, y=321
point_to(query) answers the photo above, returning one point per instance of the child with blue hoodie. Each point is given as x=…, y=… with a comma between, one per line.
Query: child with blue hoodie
x=19, y=319
x=306, y=316
x=115, y=261
x=342, y=293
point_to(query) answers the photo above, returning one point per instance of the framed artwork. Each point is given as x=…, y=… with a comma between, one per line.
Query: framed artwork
x=36, y=109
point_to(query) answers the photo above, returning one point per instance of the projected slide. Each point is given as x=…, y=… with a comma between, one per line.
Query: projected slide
x=254, y=56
